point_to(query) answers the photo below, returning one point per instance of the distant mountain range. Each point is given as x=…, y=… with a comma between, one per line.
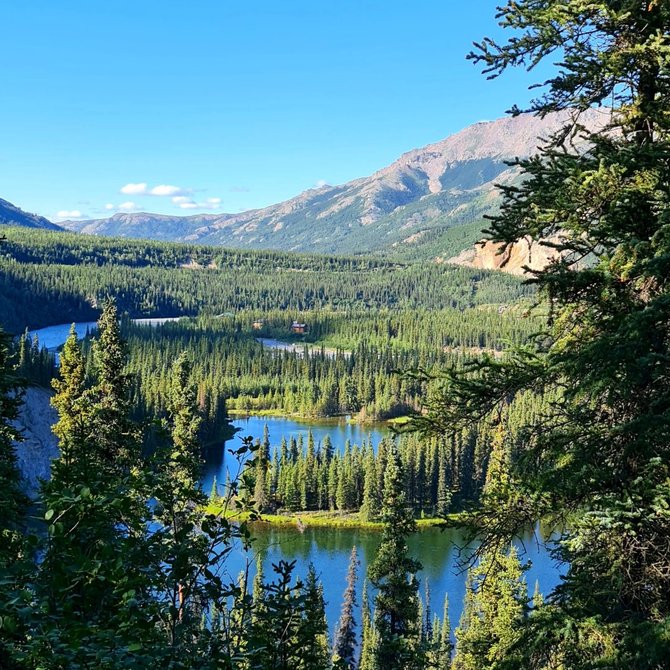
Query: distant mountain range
x=429, y=203
x=11, y=215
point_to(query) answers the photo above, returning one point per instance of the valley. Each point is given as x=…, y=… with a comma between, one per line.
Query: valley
x=280, y=392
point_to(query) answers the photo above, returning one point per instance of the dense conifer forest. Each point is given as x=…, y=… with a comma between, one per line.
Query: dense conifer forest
x=54, y=278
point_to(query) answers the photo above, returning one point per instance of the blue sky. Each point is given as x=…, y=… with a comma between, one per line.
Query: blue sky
x=222, y=105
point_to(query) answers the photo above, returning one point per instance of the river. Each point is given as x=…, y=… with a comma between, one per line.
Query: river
x=329, y=548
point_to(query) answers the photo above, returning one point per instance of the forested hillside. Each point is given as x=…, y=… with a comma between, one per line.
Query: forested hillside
x=48, y=278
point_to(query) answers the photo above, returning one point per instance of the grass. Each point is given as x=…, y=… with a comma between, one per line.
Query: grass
x=257, y=412
x=315, y=420
x=321, y=519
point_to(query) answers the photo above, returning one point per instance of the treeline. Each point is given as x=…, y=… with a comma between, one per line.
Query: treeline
x=48, y=278
x=440, y=475
x=34, y=363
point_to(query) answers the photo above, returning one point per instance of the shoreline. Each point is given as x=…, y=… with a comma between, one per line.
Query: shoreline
x=282, y=414
x=304, y=520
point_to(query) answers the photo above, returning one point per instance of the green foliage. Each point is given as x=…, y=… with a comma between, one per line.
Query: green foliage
x=34, y=363
x=93, y=590
x=392, y=573
x=128, y=574
x=494, y=608
x=344, y=645
x=14, y=548
x=599, y=465
x=288, y=629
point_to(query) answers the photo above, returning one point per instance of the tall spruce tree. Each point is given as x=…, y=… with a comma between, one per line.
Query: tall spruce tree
x=289, y=630
x=392, y=573
x=367, y=659
x=93, y=589
x=445, y=646
x=344, y=646
x=182, y=548
x=597, y=193
x=314, y=647
x=493, y=612
x=116, y=434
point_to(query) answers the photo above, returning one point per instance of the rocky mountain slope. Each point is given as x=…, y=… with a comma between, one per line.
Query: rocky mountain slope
x=11, y=215
x=427, y=203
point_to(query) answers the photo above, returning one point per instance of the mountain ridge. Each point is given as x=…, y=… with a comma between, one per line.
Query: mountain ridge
x=411, y=207
x=11, y=215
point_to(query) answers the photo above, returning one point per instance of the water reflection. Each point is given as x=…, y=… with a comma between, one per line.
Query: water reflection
x=439, y=551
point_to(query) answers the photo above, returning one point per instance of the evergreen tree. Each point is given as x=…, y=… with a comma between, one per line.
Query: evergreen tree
x=13, y=547
x=314, y=652
x=493, y=612
x=93, y=587
x=396, y=617
x=344, y=647
x=445, y=648
x=183, y=540
x=597, y=194
x=370, y=507
x=115, y=434
x=278, y=639
x=368, y=657
x=75, y=414
x=12, y=500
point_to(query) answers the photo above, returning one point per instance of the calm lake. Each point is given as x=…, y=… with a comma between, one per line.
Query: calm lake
x=438, y=551
x=218, y=458
x=329, y=548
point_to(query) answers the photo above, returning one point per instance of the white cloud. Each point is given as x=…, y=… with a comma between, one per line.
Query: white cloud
x=134, y=189
x=161, y=190
x=168, y=190
x=109, y=206
x=185, y=202
x=127, y=207
x=321, y=183
x=69, y=214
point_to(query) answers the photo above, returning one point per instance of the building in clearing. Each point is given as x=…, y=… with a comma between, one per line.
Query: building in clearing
x=299, y=328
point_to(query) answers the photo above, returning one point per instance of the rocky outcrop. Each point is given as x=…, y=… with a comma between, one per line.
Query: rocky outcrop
x=39, y=446
x=516, y=259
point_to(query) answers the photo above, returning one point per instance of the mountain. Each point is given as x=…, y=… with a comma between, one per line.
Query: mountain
x=11, y=215
x=428, y=203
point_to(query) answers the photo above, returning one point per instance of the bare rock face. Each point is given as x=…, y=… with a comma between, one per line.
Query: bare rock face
x=519, y=258
x=39, y=446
